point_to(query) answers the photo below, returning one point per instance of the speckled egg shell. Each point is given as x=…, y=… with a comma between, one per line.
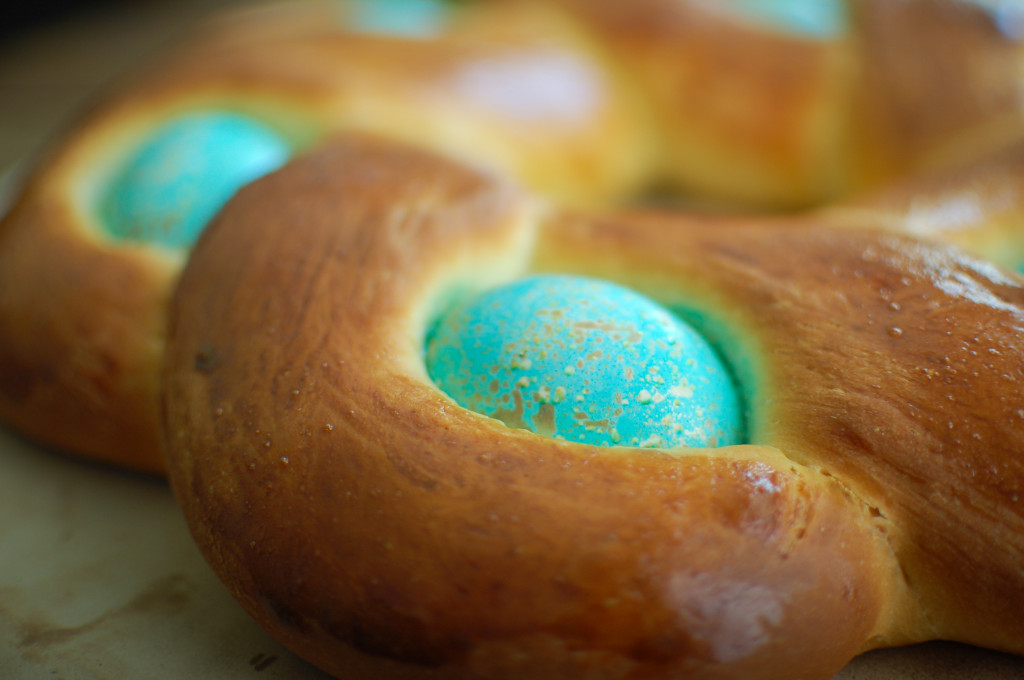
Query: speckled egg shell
x=811, y=18
x=180, y=176
x=400, y=18
x=588, y=361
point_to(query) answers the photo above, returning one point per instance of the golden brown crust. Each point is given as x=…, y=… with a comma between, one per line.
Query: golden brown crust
x=884, y=361
x=978, y=206
x=482, y=551
x=756, y=117
x=746, y=116
x=80, y=370
x=82, y=317
x=595, y=102
x=381, y=531
x=931, y=88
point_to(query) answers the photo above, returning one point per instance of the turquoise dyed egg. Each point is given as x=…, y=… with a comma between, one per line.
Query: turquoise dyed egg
x=403, y=18
x=813, y=18
x=183, y=174
x=588, y=361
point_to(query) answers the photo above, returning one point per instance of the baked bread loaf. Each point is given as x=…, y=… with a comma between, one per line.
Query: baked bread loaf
x=84, y=291
x=584, y=102
x=381, y=530
x=847, y=497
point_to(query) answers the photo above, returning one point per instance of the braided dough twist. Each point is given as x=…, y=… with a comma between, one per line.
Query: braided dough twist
x=357, y=512
x=586, y=102
x=380, y=530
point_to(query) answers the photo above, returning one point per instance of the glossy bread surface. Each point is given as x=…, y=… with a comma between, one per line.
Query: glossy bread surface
x=379, y=529
x=842, y=526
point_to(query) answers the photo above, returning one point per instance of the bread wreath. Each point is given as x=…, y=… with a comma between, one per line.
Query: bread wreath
x=83, y=315
x=380, y=530
x=586, y=102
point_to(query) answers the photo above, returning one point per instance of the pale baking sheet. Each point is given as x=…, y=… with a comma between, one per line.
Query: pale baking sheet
x=100, y=580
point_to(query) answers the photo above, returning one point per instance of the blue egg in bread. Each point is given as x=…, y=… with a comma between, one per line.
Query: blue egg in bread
x=183, y=173
x=400, y=18
x=587, y=361
x=811, y=18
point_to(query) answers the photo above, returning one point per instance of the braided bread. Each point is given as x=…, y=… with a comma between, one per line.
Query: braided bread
x=87, y=358
x=584, y=102
x=847, y=497
x=357, y=512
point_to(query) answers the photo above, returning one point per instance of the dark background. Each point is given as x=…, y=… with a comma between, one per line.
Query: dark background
x=57, y=55
x=23, y=17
